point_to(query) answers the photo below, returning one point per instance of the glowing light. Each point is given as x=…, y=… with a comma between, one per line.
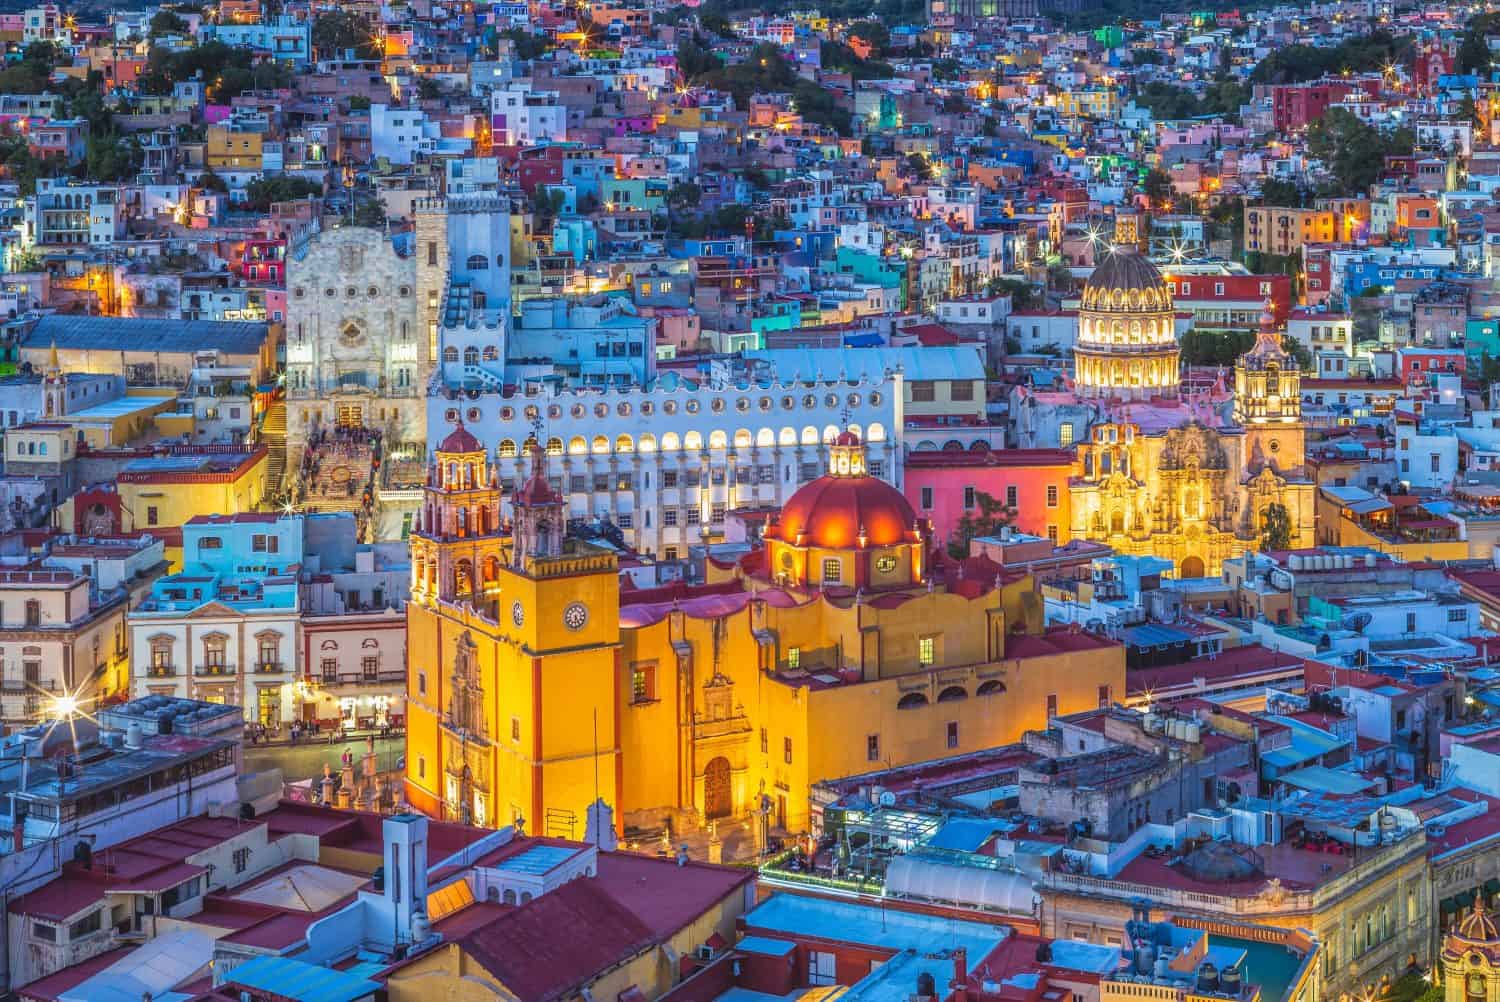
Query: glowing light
x=64, y=707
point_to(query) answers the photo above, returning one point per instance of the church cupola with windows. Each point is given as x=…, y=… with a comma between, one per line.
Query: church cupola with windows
x=1471, y=958
x=1268, y=400
x=847, y=529
x=456, y=548
x=1127, y=326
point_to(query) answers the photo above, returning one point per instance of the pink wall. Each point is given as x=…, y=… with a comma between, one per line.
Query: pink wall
x=1029, y=471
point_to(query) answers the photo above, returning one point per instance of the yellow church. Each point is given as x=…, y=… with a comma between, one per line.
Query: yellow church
x=1187, y=476
x=536, y=684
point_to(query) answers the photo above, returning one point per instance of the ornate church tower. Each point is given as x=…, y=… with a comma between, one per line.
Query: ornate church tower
x=1471, y=958
x=1268, y=400
x=456, y=550
x=539, y=515
x=54, y=387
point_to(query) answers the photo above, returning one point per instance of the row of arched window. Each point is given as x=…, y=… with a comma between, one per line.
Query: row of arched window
x=578, y=445
x=952, y=694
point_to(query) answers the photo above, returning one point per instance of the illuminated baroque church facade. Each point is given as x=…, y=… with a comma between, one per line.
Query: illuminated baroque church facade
x=1186, y=476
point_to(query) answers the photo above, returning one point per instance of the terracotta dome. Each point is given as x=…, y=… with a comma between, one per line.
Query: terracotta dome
x=847, y=437
x=1479, y=926
x=830, y=511
x=1126, y=282
x=460, y=440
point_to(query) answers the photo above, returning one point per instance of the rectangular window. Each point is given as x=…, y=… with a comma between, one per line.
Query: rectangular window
x=1051, y=705
x=1459, y=615
x=786, y=750
x=241, y=860
x=624, y=520
x=872, y=748
x=926, y=497
x=794, y=657
x=1010, y=496
x=694, y=516
x=265, y=544
x=669, y=478
x=369, y=668
x=86, y=926
x=211, y=543
x=833, y=571
x=669, y=517
x=927, y=651
x=1051, y=495
x=877, y=468
x=643, y=682
x=822, y=968
x=515, y=729
x=152, y=515
x=48, y=933
x=421, y=683
x=765, y=742
x=1104, y=697
x=968, y=497
x=1052, y=534
x=922, y=391
x=330, y=671
x=716, y=513
x=807, y=471
x=953, y=734
x=961, y=390
x=669, y=553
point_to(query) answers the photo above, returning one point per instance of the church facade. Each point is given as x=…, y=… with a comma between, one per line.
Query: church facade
x=537, y=685
x=1195, y=477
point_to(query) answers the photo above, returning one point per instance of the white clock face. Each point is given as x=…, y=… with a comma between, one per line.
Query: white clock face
x=576, y=616
x=518, y=614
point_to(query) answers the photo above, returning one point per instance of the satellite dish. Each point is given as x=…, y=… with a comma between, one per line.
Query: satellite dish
x=1357, y=621
x=887, y=799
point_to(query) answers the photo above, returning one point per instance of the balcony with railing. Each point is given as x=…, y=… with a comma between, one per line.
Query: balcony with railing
x=161, y=671
x=269, y=667
x=214, y=669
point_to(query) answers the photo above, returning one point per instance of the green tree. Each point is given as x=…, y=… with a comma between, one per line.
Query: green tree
x=1301, y=63
x=336, y=31
x=1489, y=369
x=526, y=45
x=165, y=22
x=1158, y=186
x=1354, y=151
x=369, y=212
x=874, y=34
x=1474, y=50
x=1275, y=527
x=1023, y=295
x=261, y=193
x=988, y=516
x=1283, y=194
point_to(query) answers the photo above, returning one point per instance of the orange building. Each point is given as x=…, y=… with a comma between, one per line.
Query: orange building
x=536, y=685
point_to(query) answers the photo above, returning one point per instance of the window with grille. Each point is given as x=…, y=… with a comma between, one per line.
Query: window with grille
x=330, y=668
x=833, y=571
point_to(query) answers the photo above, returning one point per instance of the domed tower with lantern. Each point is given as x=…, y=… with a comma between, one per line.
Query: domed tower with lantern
x=1127, y=335
x=1471, y=958
x=1268, y=400
x=456, y=549
x=847, y=529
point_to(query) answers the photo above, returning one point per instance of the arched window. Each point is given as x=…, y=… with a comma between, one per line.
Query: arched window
x=911, y=701
x=554, y=447
x=599, y=444
x=478, y=262
x=624, y=444
x=993, y=687
x=507, y=448
x=471, y=355
x=450, y=354
x=952, y=694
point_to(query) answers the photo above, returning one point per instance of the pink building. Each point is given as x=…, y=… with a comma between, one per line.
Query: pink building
x=944, y=486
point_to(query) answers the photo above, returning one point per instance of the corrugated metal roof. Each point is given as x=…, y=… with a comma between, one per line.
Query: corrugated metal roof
x=295, y=979
x=143, y=334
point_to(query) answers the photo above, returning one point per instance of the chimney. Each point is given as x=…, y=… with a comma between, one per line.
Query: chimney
x=960, y=984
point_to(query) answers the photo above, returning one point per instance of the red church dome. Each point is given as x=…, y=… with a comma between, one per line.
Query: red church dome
x=460, y=440
x=830, y=511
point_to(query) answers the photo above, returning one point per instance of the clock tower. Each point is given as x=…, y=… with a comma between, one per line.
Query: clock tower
x=514, y=683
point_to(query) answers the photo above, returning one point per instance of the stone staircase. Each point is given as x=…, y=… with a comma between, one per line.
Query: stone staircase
x=273, y=433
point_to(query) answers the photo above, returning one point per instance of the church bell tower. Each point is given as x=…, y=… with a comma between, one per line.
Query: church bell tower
x=1268, y=400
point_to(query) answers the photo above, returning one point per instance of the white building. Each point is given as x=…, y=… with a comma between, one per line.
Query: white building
x=521, y=116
